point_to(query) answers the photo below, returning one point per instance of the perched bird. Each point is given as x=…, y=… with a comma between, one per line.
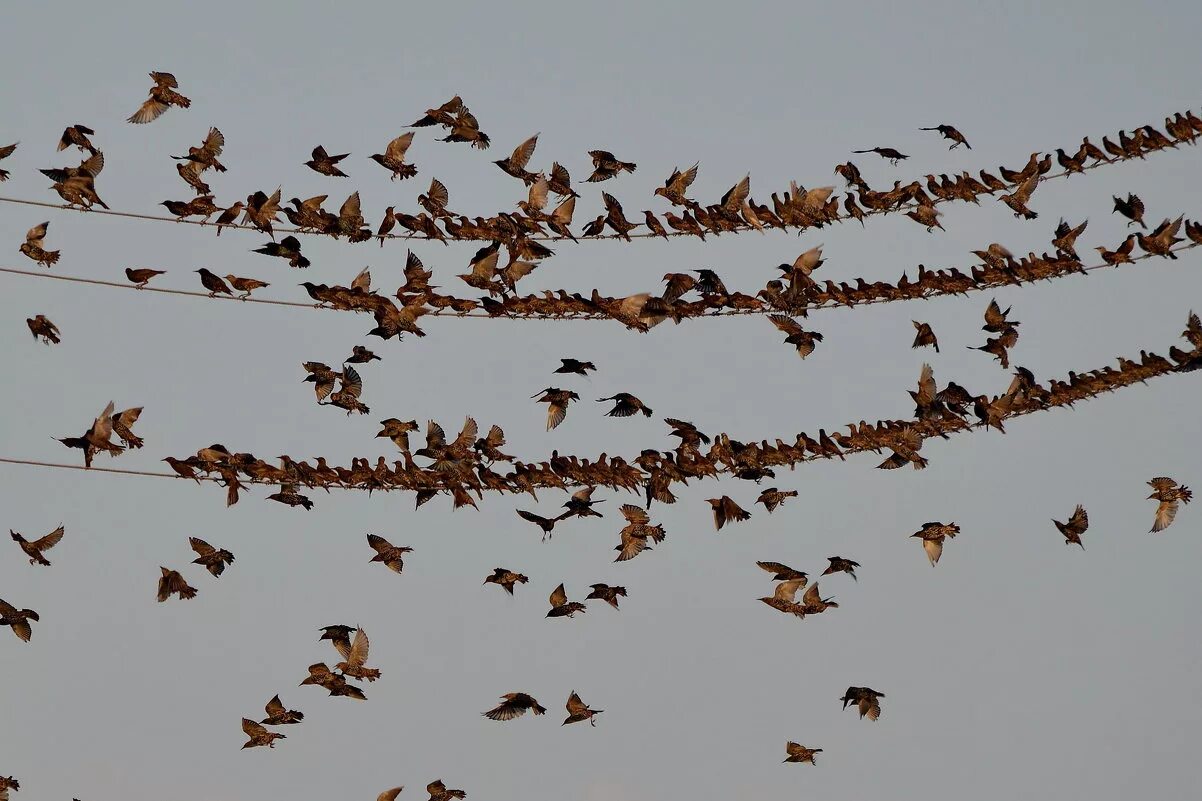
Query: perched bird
x=578, y=711
x=41, y=326
x=927, y=216
x=804, y=341
x=439, y=792
x=950, y=133
x=393, y=157
x=625, y=405
x=505, y=579
x=925, y=336
x=561, y=606
x=726, y=511
x=772, y=498
x=17, y=619
x=326, y=164
x=840, y=565
x=5, y=152
x=604, y=592
x=933, y=535
x=606, y=166
x=782, y=572
x=321, y=675
x=1017, y=200
x=1075, y=527
x=205, y=156
x=213, y=282
x=515, y=164
x=391, y=555
x=355, y=656
x=866, y=699
x=1121, y=254
x=33, y=549
x=259, y=735
x=279, y=715
x=1171, y=495
x=77, y=135
x=32, y=248
x=246, y=285
x=213, y=559
x=514, y=705
x=171, y=582
x=886, y=153
x=547, y=524
x=162, y=97
x=557, y=401
x=261, y=211
x=799, y=753
x=228, y=216
x=575, y=367
x=1132, y=208
x=141, y=276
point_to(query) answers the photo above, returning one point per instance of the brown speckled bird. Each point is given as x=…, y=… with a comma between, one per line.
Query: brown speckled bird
x=439, y=792
x=726, y=511
x=799, y=753
x=636, y=532
x=321, y=675
x=205, y=157
x=259, y=735
x=32, y=247
x=604, y=592
x=393, y=157
x=578, y=711
x=840, y=565
x=245, y=285
x=557, y=401
x=171, y=582
x=561, y=606
x=925, y=336
x=514, y=705
x=866, y=699
x=77, y=135
x=41, y=326
x=17, y=620
x=1075, y=527
x=33, y=548
x=677, y=185
x=162, y=97
x=933, y=535
x=355, y=655
x=347, y=396
x=625, y=405
x=772, y=498
x=213, y=559
x=606, y=166
x=782, y=572
x=515, y=163
x=391, y=555
x=141, y=276
x=326, y=164
x=804, y=341
x=1171, y=495
x=1017, y=200
x=280, y=715
x=505, y=579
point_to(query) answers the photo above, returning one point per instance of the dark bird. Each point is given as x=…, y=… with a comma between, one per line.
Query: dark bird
x=361, y=355
x=347, y=395
x=393, y=157
x=625, y=405
x=1066, y=238
x=326, y=164
x=926, y=216
x=557, y=401
x=606, y=166
x=396, y=430
x=287, y=248
x=439, y=792
x=259, y=735
x=171, y=582
x=5, y=152
x=162, y=97
x=261, y=211
x=205, y=156
x=886, y=153
x=547, y=524
x=1017, y=200
x=33, y=548
x=726, y=511
x=772, y=498
x=339, y=635
x=561, y=606
x=604, y=592
x=213, y=282
x=804, y=341
x=799, y=753
x=925, y=336
x=578, y=711
x=996, y=321
x=840, y=565
x=245, y=285
x=228, y=216
x=141, y=276
x=321, y=675
x=466, y=128
x=279, y=715
x=950, y=133
x=581, y=503
x=1132, y=208
x=866, y=699
x=1171, y=495
x=782, y=572
x=636, y=532
x=17, y=619
x=77, y=135
x=32, y=247
x=323, y=379
x=515, y=164
x=41, y=326
x=933, y=535
x=1075, y=527
x=213, y=559
x=442, y=115
x=355, y=656
x=514, y=705
x=391, y=555
x=505, y=579
x=575, y=367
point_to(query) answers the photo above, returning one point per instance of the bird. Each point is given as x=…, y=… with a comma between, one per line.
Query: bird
x=324, y=378
x=782, y=572
x=676, y=185
x=439, y=792
x=205, y=156
x=1121, y=254
x=604, y=592
x=97, y=438
x=245, y=285
x=606, y=166
x=321, y=675
x=578, y=711
x=557, y=401
x=625, y=405
x=162, y=97
x=391, y=555
x=927, y=216
x=5, y=152
x=355, y=655
x=171, y=582
x=1130, y=207
x=326, y=164
x=799, y=753
x=17, y=619
x=259, y=735
x=866, y=699
x=933, y=535
x=996, y=321
x=636, y=532
x=804, y=341
x=41, y=326
x=32, y=248
x=515, y=163
x=33, y=548
x=1171, y=495
x=950, y=133
x=8, y=783
x=213, y=282
x=505, y=579
x=466, y=128
x=396, y=430
x=287, y=248
x=726, y=511
x=260, y=211
x=279, y=715
x=812, y=603
x=1017, y=200
x=772, y=498
x=561, y=606
x=886, y=153
x=840, y=565
x=77, y=135
x=228, y=216
x=575, y=367
x=581, y=504
x=1075, y=527
x=547, y=524
x=347, y=395
x=213, y=559
x=361, y=355
x=784, y=598
x=393, y=157
x=514, y=705
x=140, y=276
x=925, y=336
x=1066, y=237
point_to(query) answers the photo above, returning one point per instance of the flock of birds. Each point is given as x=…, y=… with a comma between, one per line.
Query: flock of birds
x=470, y=464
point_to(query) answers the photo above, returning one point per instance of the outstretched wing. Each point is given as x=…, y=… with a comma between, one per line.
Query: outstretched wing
x=50, y=540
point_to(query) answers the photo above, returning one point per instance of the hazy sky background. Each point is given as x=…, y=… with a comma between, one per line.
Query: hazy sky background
x=1016, y=668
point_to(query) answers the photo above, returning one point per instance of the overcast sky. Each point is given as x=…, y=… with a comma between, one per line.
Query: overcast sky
x=1015, y=668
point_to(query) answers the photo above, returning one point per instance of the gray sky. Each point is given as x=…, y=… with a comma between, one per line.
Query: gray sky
x=1016, y=667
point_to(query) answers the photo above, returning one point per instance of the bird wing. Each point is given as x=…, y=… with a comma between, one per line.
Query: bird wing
x=522, y=153
x=496, y=437
x=359, y=649
x=350, y=207
x=1165, y=513
x=538, y=193
x=1026, y=189
x=811, y=595
x=631, y=545
x=564, y=211
x=253, y=729
x=164, y=79
x=934, y=549
x=436, y=788
x=681, y=181
x=378, y=543
x=1080, y=519
x=1136, y=204
x=389, y=795
x=35, y=235
x=576, y=705
x=435, y=436
x=50, y=540
x=467, y=435
x=438, y=193
x=275, y=707
x=734, y=197
x=775, y=567
x=102, y=426
x=926, y=386
x=559, y=597
x=398, y=147
x=93, y=164
x=602, y=155
x=352, y=384
x=785, y=324
x=320, y=154
x=149, y=111
x=993, y=314
x=7, y=609
x=201, y=547
x=128, y=417
x=556, y=414
x=787, y=590
x=634, y=514
x=214, y=143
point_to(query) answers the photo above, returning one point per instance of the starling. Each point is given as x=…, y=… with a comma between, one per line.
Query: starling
x=41, y=326
x=677, y=184
x=625, y=405
x=581, y=503
x=1066, y=238
x=840, y=565
x=866, y=699
x=925, y=336
x=546, y=524
x=162, y=97
x=950, y=133
x=439, y=792
x=797, y=752
x=393, y=157
x=205, y=156
x=1171, y=495
x=604, y=592
x=32, y=247
x=1075, y=527
x=213, y=282
x=466, y=128
x=321, y=675
x=5, y=152
x=933, y=535
x=77, y=135
x=140, y=276
x=578, y=711
x=389, y=795
x=245, y=285
x=441, y=115
x=287, y=248
x=886, y=153
x=395, y=429
x=784, y=598
x=804, y=341
x=1132, y=208
x=391, y=555
x=575, y=367
x=279, y=715
x=1017, y=200
x=17, y=619
x=561, y=606
x=171, y=582
x=927, y=216
x=355, y=655
x=515, y=164
x=606, y=166
x=505, y=579
x=323, y=379
x=259, y=735
x=229, y=216
x=514, y=705
x=326, y=164
x=33, y=549
x=636, y=532
x=213, y=559
x=347, y=395
x=557, y=401
x=1121, y=254
x=772, y=498
x=782, y=572
x=361, y=355
x=260, y=211
x=726, y=511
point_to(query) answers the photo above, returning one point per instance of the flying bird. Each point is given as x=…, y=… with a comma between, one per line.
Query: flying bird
x=439, y=792
x=41, y=326
x=1130, y=207
x=782, y=572
x=635, y=534
x=575, y=367
x=321, y=675
x=514, y=705
x=606, y=166
x=355, y=656
x=213, y=559
x=259, y=735
x=32, y=248
x=561, y=606
x=625, y=405
x=866, y=699
x=393, y=157
x=799, y=753
x=162, y=97
x=506, y=579
x=933, y=535
x=547, y=524
x=34, y=548
x=171, y=582
x=557, y=401
x=17, y=620
x=950, y=133
x=5, y=152
x=347, y=396
x=677, y=185
x=1075, y=527
x=604, y=592
x=726, y=511
x=889, y=153
x=77, y=135
x=515, y=163
x=578, y=711
x=804, y=341
x=326, y=164
x=205, y=157
x=925, y=336
x=1171, y=495
x=391, y=555
x=772, y=498
x=1017, y=200
x=840, y=565
x=279, y=715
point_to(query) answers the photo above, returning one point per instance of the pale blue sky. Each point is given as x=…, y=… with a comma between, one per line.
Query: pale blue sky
x=1016, y=668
